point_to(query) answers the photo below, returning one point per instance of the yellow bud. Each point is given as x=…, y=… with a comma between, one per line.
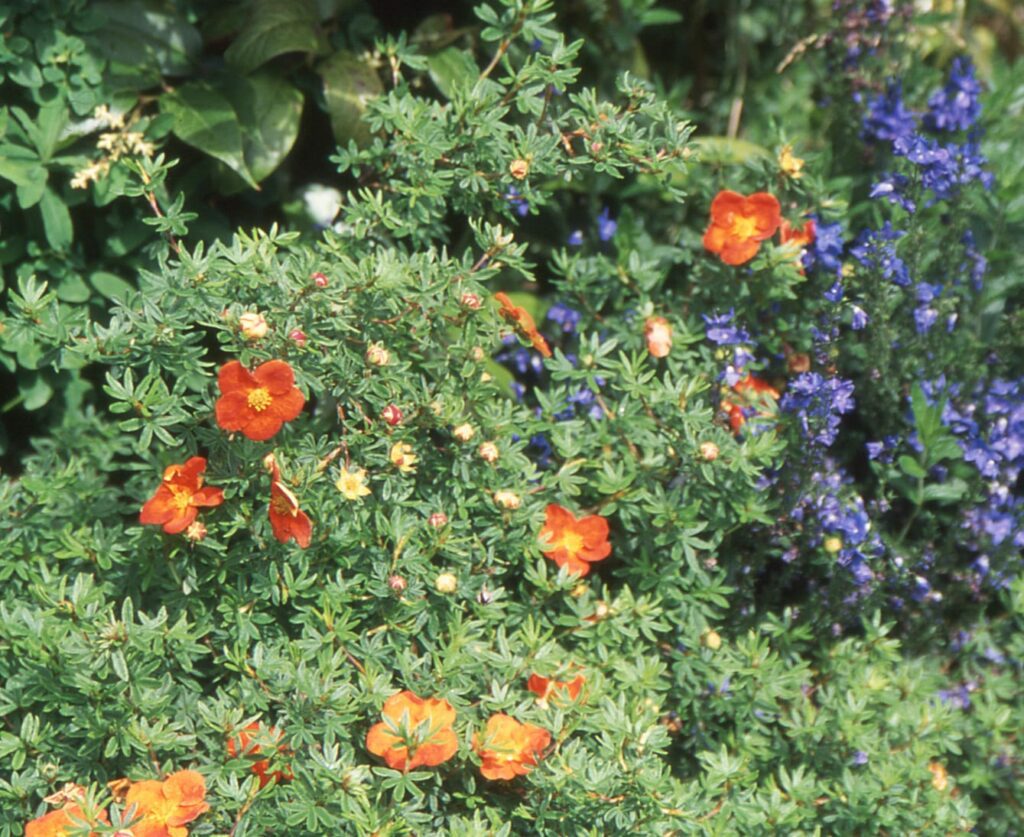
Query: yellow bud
x=712, y=640
x=446, y=583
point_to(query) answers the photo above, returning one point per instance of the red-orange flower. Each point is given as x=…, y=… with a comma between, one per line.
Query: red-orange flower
x=523, y=323
x=739, y=224
x=801, y=236
x=167, y=806
x=178, y=499
x=750, y=391
x=287, y=520
x=59, y=823
x=257, y=403
x=509, y=748
x=244, y=743
x=415, y=732
x=574, y=543
x=555, y=691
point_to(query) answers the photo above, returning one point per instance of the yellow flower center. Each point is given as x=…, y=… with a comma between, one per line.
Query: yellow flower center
x=744, y=226
x=259, y=399
x=572, y=541
x=182, y=497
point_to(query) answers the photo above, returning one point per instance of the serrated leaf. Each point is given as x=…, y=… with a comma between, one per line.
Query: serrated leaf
x=204, y=119
x=142, y=34
x=273, y=29
x=349, y=84
x=269, y=110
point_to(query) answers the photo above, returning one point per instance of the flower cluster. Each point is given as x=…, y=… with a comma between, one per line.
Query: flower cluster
x=153, y=808
x=419, y=732
x=818, y=404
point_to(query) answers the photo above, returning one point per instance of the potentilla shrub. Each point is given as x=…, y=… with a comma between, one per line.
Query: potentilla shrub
x=469, y=516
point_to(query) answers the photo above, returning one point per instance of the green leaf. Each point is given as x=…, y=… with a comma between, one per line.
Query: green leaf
x=110, y=285
x=947, y=492
x=144, y=34
x=452, y=69
x=273, y=29
x=204, y=119
x=911, y=467
x=56, y=220
x=269, y=111
x=349, y=83
x=24, y=169
x=35, y=392
x=728, y=151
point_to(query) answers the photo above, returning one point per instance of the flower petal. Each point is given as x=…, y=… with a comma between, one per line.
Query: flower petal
x=261, y=426
x=276, y=375
x=232, y=410
x=288, y=405
x=233, y=377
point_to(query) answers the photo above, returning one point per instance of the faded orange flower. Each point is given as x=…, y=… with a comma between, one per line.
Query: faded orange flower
x=243, y=744
x=177, y=501
x=59, y=823
x=572, y=542
x=257, y=403
x=749, y=391
x=167, y=807
x=555, y=691
x=509, y=748
x=287, y=520
x=523, y=323
x=415, y=732
x=739, y=224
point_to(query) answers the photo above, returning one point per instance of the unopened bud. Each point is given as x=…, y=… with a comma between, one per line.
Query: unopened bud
x=464, y=432
x=519, y=169
x=196, y=531
x=298, y=337
x=508, y=499
x=319, y=280
x=397, y=583
x=470, y=300
x=377, y=355
x=438, y=519
x=485, y=596
x=798, y=362
x=488, y=452
x=708, y=451
x=253, y=326
x=712, y=640
x=833, y=544
x=477, y=353
x=446, y=583
x=392, y=415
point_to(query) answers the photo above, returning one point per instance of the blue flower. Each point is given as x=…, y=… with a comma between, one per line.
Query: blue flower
x=859, y=319
x=887, y=118
x=606, y=225
x=568, y=318
x=575, y=238
x=956, y=107
x=719, y=329
x=826, y=251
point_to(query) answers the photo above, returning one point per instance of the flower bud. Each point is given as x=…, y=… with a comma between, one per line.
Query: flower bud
x=708, y=451
x=319, y=280
x=253, y=326
x=377, y=355
x=712, y=640
x=392, y=415
x=519, y=169
x=601, y=611
x=486, y=377
x=397, y=583
x=798, y=362
x=196, y=531
x=658, y=332
x=833, y=544
x=464, y=432
x=470, y=300
x=477, y=353
x=446, y=583
x=438, y=519
x=507, y=499
x=485, y=596
x=488, y=452
x=298, y=337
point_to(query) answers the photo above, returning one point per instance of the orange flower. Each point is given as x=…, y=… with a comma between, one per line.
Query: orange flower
x=658, y=333
x=801, y=236
x=546, y=689
x=243, y=744
x=167, y=806
x=59, y=823
x=523, y=323
x=415, y=732
x=286, y=518
x=574, y=543
x=509, y=748
x=179, y=497
x=739, y=224
x=259, y=402
x=749, y=389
